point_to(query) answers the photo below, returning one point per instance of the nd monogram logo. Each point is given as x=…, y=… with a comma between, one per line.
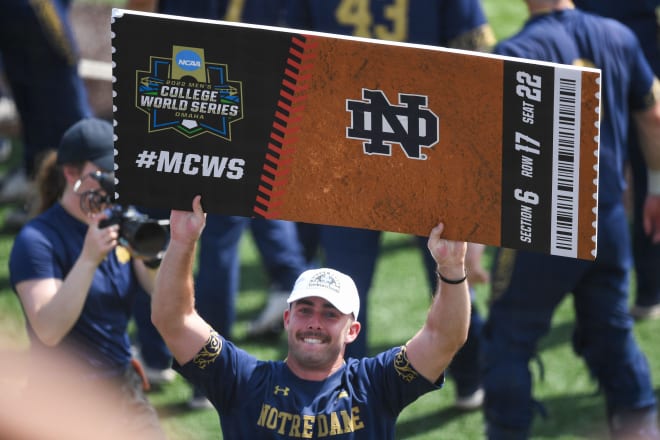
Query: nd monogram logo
x=380, y=124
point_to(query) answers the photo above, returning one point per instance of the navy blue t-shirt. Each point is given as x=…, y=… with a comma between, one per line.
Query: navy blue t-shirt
x=575, y=37
x=620, y=9
x=639, y=15
x=265, y=400
x=47, y=247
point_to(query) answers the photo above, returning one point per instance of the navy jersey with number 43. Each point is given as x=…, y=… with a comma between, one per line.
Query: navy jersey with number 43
x=450, y=23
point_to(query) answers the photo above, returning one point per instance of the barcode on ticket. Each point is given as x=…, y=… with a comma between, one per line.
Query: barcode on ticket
x=566, y=158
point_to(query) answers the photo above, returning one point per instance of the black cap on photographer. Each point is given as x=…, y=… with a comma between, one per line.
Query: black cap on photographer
x=89, y=139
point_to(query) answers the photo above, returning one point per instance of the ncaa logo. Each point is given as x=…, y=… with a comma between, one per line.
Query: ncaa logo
x=188, y=60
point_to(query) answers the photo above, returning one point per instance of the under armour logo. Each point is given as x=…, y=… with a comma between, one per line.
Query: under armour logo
x=410, y=124
x=284, y=391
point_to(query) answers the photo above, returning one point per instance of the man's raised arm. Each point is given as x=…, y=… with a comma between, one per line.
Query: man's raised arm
x=173, y=300
x=446, y=326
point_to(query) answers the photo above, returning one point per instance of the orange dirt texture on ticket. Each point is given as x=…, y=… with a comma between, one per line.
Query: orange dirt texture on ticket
x=458, y=182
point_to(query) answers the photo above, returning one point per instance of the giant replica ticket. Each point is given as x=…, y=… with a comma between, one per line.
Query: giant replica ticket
x=319, y=128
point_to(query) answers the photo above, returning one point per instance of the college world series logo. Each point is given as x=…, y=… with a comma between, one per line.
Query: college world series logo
x=188, y=94
x=380, y=124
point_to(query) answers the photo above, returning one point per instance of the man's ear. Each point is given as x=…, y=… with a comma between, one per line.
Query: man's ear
x=353, y=331
x=287, y=315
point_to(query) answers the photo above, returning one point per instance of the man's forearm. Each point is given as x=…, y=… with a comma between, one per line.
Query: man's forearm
x=446, y=326
x=173, y=296
x=173, y=304
x=449, y=317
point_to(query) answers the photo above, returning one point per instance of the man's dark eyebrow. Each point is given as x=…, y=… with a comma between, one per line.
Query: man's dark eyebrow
x=305, y=301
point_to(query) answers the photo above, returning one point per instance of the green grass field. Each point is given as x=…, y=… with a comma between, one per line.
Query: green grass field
x=397, y=308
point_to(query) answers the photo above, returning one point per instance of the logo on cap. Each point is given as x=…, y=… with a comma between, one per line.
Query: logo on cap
x=325, y=280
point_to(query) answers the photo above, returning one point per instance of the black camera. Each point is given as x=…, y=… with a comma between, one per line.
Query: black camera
x=142, y=236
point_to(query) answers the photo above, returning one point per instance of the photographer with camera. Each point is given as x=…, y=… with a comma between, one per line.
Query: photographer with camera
x=77, y=280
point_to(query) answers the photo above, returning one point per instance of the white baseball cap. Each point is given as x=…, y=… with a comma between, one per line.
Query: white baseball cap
x=333, y=286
